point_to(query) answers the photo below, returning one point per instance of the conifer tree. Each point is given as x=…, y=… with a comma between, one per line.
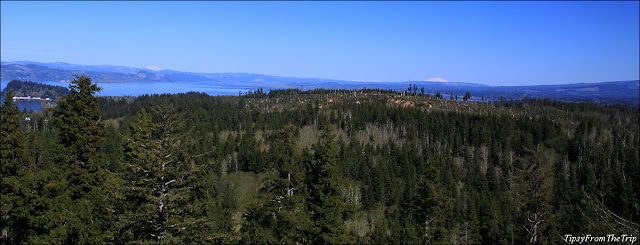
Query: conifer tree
x=77, y=115
x=467, y=96
x=281, y=215
x=328, y=208
x=13, y=144
x=533, y=193
x=432, y=207
x=160, y=199
x=78, y=213
x=139, y=209
x=13, y=161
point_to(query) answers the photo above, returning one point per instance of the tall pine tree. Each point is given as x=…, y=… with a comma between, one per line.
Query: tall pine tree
x=533, y=191
x=78, y=211
x=13, y=161
x=329, y=210
x=77, y=115
x=160, y=203
x=281, y=216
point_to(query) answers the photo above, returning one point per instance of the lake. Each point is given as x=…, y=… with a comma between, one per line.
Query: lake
x=29, y=105
x=136, y=89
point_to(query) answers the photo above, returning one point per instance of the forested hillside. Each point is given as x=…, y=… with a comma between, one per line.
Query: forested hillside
x=34, y=89
x=318, y=166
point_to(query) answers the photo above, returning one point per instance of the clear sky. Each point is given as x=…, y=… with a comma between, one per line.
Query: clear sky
x=495, y=43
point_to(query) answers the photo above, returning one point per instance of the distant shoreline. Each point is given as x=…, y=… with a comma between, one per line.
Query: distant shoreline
x=31, y=98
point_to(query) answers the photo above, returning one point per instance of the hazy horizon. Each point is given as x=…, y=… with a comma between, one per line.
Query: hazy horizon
x=363, y=81
x=492, y=43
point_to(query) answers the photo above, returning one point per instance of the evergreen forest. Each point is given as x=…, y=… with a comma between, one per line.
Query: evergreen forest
x=316, y=166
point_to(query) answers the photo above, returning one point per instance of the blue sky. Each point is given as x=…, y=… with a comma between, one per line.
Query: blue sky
x=495, y=43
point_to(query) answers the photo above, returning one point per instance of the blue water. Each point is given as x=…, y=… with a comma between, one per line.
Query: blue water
x=136, y=89
x=29, y=105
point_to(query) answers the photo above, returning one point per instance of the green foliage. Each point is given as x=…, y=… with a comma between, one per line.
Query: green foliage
x=318, y=166
x=329, y=210
x=77, y=117
x=14, y=163
x=12, y=140
x=160, y=183
x=281, y=215
x=33, y=89
x=70, y=201
x=533, y=191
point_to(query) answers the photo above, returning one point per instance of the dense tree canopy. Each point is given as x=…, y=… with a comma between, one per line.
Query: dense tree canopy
x=14, y=159
x=316, y=166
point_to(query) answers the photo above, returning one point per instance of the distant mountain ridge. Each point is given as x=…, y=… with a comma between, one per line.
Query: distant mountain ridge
x=68, y=66
x=43, y=73
x=622, y=92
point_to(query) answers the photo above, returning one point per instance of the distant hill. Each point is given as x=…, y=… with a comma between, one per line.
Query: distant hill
x=27, y=70
x=34, y=89
x=43, y=73
x=621, y=92
x=67, y=66
x=618, y=92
